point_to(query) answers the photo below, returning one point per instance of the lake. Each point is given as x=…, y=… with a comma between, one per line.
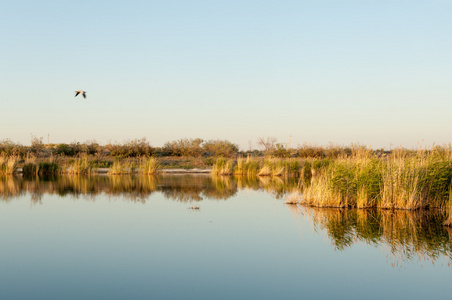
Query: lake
x=205, y=237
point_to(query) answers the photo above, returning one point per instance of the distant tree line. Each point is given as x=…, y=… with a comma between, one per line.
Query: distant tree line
x=180, y=148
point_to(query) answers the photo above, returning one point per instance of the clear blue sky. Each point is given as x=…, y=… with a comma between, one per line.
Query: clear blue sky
x=370, y=72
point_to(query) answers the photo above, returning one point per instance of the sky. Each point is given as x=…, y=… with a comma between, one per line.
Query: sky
x=374, y=73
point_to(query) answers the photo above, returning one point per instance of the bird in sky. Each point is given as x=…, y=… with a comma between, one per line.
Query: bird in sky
x=80, y=92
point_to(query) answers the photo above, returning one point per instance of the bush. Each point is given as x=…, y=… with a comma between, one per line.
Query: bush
x=281, y=151
x=219, y=148
x=9, y=148
x=37, y=146
x=134, y=148
x=65, y=150
x=184, y=147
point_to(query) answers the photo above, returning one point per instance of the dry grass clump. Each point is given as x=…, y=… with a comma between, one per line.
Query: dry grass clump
x=266, y=170
x=279, y=167
x=223, y=166
x=293, y=198
x=122, y=167
x=254, y=166
x=80, y=165
x=47, y=167
x=248, y=166
x=8, y=165
x=148, y=165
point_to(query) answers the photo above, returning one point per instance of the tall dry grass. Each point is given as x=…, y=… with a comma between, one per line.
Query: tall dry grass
x=223, y=166
x=46, y=167
x=8, y=164
x=148, y=165
x=257, y=166
x=279, y=167
x=396, y=182
x=122, y=167
x=79, y=166
x=248, y=166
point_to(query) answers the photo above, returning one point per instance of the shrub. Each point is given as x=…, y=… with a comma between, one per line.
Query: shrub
x=134, y=148
x=9, y=148
x=149, y=165
x=220, y=148
x=281, y=151
x=184, y=147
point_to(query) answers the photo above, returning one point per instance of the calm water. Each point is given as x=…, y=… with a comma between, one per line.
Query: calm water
x=127, y=237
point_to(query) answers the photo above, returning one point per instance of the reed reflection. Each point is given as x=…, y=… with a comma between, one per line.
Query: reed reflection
x=408, y=235
x=182, y=188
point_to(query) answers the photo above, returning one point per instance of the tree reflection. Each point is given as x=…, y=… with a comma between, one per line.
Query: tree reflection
x=407, y=235
x=182, y=188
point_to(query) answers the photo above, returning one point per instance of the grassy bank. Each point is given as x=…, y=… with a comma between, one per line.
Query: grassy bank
x=83, y=165
x=394, y=182
x=329, y=177
x=257, y=166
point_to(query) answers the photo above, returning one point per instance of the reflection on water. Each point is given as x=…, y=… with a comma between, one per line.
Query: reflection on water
x=181, y=188
x=409, y=235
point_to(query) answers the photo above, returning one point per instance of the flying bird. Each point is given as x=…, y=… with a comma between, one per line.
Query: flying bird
x=80, y=92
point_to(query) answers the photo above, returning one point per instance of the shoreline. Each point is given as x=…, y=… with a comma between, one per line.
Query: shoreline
x=164, y=171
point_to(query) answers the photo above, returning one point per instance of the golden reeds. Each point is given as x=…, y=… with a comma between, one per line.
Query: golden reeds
x=149, y=165
x=397, y=181
x=223, y=166
x=8, y=165
x=122, y=167
x=79, y=166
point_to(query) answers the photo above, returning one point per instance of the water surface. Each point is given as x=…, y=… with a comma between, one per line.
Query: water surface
x=126, y=237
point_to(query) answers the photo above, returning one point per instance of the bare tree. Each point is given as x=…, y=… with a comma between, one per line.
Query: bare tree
x=267, y=143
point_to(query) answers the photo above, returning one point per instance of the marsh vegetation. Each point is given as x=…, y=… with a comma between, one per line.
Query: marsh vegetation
x=346, y=177
x=400, y=180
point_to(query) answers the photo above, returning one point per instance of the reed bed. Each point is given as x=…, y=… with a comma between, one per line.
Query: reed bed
x=223, y=166
x=145, y=165
x=248, y=166
x=149, y=165
x=49, y=167
x=279, y=167
x=122, y=167
x=254, y=166
x=8, y=164
x=79, y=166
x=395, y=182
